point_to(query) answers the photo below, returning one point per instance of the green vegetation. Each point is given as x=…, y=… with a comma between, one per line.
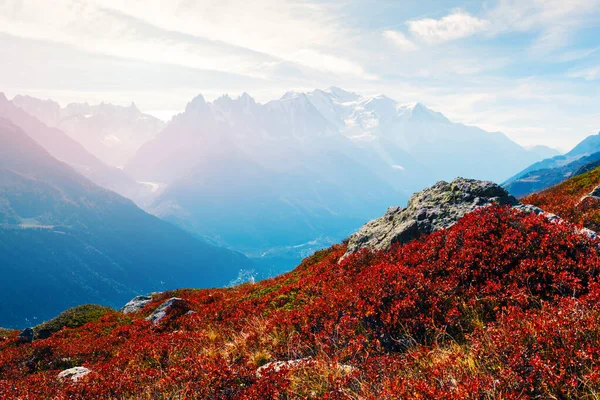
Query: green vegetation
x=6, y=332
x=72, y=318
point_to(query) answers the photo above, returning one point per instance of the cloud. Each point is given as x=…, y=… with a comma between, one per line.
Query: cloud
x=589, y=74
x=329, y=63
x=554, y=21
x=454, y=26
x=400, y=40
x=232, y=36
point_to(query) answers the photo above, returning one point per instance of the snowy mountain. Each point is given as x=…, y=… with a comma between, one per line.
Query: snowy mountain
x=112, y=133
x=260, y=176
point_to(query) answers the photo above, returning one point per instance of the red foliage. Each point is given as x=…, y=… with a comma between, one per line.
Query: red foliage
x=503, y=304
x=569, y=200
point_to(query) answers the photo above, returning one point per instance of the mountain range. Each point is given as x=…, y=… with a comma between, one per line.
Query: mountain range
x=111, y=133
x=69, y=150
x=470, y=295
x=66, y=241
x=553, y=170
x=308, y=167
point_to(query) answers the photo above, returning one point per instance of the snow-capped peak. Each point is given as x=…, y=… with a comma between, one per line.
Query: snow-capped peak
x=197, y=103
x=342, y=95
x=246, y=98
x=290, y=95
x=418, y=111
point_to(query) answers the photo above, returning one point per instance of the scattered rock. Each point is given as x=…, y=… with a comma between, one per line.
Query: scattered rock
x=595, y=192
x=430, y=210
x=277, y=366
x=136, y=304
x=528, y=208
x=172, y=307
x=75, y=373
x=26, y=336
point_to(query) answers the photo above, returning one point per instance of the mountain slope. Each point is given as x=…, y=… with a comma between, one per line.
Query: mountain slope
x=112, y=133
x=328, y=160
x=540, y=179
x=540, y=175
x=502, y=304
x=577, y=199
x=65, y=241
x=447, y=149
x=65, y=149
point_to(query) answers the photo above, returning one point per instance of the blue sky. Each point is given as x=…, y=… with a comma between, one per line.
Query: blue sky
x=528, y=68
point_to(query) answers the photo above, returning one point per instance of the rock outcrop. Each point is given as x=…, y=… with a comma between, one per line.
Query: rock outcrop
x=172, y=307
x=439, y=207
x=26, y=336
x=432, y=209
x=136, y=304
x=74, y=374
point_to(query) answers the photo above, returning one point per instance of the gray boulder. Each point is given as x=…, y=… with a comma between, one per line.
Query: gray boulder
x=136, y=304
x=430, y=210
x=74, y=374
x=172, y=306
x=26, y=336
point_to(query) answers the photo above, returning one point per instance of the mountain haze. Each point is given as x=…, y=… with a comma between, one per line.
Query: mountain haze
x=313, y=165
x=65, y=241
x=112, y=133
x=551, y=171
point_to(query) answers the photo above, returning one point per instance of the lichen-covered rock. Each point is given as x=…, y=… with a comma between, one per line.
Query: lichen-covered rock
x=136, y=304
x=432, y=209
x=173, y=307
x=75, y=373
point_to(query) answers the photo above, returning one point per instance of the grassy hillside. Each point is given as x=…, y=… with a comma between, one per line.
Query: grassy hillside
x=501, y=305
x=65, y=241
x=569, y=200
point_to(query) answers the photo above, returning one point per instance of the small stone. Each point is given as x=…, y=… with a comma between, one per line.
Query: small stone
x=75, y=373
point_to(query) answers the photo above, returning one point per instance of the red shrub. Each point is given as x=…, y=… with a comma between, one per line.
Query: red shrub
x=503, y=304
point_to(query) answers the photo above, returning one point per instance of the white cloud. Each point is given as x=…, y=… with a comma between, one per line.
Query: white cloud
x=328, y=63
x=400, y=40
x=555, y=20
x=232, y=36
x=454, y=26
x=589, y=74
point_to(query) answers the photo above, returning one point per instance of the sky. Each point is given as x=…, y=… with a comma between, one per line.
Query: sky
x=528, y=68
